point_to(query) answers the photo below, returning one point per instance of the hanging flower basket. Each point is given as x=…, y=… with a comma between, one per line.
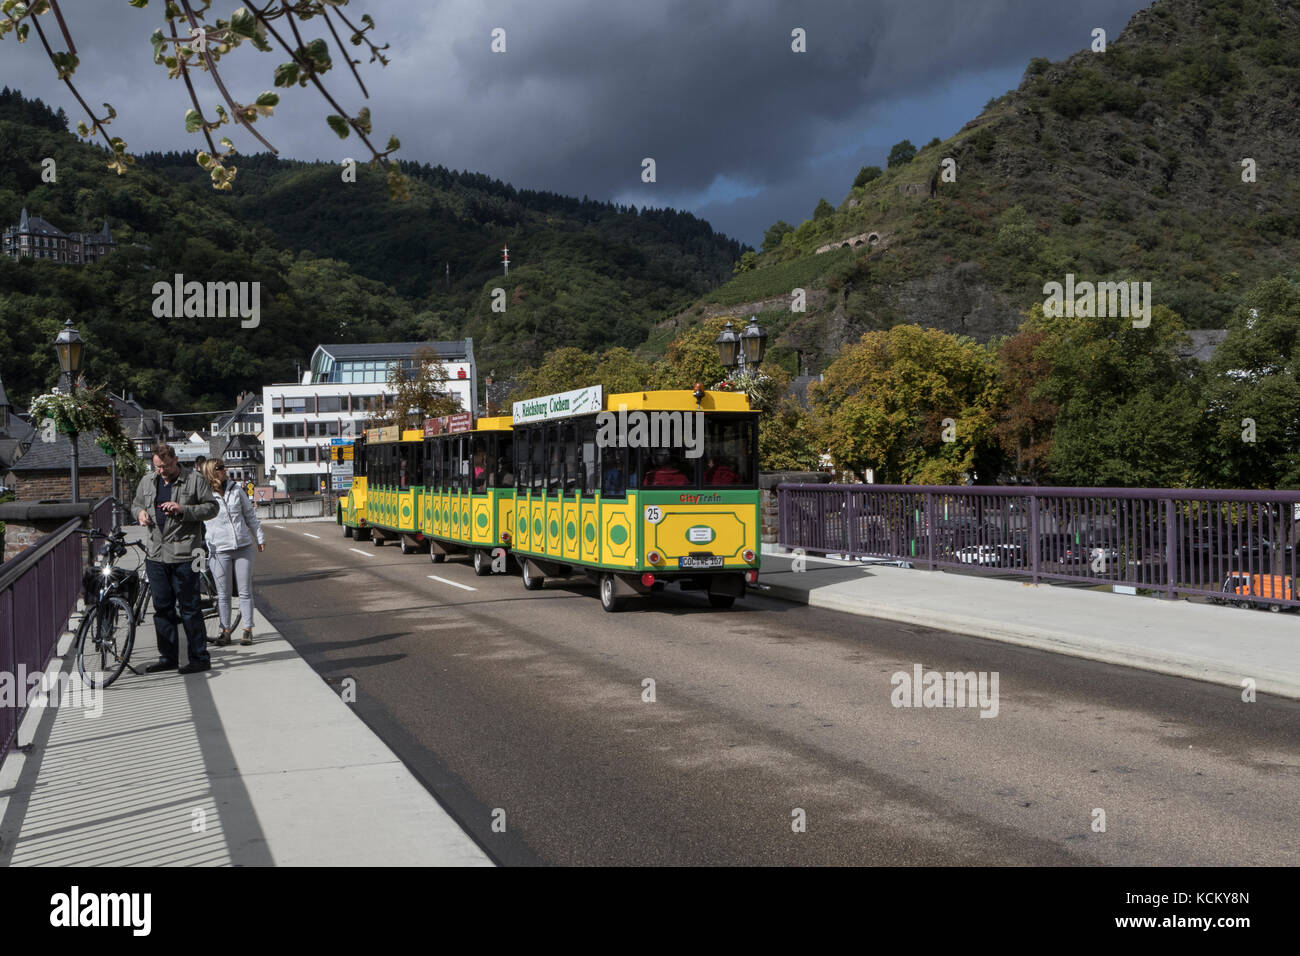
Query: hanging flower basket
x=89, y=412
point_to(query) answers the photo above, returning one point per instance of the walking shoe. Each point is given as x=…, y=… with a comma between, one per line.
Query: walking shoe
x=248, y=636
x=224, y=637
x=193, y=667
x=157, y=666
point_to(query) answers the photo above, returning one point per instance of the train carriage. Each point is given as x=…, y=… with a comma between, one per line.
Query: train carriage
x=448, y=486
x=638, y=490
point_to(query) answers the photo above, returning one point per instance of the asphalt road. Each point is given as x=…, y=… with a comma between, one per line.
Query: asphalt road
x=529, y=709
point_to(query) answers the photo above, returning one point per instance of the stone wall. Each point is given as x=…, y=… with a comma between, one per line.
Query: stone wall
x=767, y=482
x=57, y=485
x=26, y=523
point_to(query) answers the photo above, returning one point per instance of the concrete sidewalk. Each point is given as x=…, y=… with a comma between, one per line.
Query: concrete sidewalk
x=1222, y=645
x=256, y=762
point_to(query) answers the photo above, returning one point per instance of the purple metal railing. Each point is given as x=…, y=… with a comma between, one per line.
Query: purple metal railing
x=38, y=593
x=1175, y=541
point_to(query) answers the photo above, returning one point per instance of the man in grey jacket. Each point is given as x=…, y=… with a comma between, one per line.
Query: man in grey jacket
x=173, y=504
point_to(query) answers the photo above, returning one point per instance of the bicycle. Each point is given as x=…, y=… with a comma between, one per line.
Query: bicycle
x=115, y=601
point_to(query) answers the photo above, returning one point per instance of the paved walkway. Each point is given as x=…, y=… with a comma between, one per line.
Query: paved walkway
x=1223, y=645
x=256, y=762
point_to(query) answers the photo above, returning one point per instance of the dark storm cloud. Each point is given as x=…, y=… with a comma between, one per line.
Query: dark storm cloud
x=587, y=88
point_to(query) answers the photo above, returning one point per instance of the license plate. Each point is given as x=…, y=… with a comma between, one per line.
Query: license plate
x=696, y=563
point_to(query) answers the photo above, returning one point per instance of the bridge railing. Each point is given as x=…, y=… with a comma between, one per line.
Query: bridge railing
x=1175, y=541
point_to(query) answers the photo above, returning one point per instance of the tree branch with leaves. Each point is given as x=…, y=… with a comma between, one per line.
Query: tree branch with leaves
x=190, y=44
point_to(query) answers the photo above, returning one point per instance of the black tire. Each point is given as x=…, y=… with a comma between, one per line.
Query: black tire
x=407, y=547
x=363, y=534
x=347, y=531
x=104, y=642
x=437, y=557
x=482, y=563
x=609, y=599
x=377, y=538
x=1275, y=608
x=533, y=582
x=722, y=601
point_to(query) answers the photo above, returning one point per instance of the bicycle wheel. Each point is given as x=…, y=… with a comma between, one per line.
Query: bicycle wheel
x=104, y=642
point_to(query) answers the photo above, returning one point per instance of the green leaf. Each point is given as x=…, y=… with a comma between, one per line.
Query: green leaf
x=363, y=120
x=193, y=121
x=286, y=74
x=203, y=159
x=267, y=98
x=243, y=22
x=138, y=4
x=159, y=45
x=338, y=124
x=394, y=143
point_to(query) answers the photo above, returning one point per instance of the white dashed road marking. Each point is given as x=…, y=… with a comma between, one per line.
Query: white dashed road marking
x=463, y=587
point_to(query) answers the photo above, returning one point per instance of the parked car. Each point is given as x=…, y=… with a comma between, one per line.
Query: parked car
x=982, y=554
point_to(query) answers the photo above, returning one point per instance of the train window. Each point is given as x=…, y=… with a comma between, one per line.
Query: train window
x=479, y=465
x=537, y=460
x=502, y=460
x=613, y=463
x=587, y=462
x=665, y=467
x=554, y=460
x=521, y=440
x=730, y=450
x=569, y=455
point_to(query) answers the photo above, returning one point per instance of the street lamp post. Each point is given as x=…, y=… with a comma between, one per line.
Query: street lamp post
x=71, y=350
x=742, y=350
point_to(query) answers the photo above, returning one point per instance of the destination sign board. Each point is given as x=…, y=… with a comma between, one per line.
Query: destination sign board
x=581, y=401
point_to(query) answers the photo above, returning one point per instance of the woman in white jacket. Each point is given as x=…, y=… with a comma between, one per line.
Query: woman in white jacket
x=230, y=537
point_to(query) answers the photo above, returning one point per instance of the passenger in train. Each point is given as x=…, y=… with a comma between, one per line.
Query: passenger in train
x=720, y=472
x=666, y=471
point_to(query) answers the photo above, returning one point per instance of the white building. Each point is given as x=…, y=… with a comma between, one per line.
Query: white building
x=344, y=386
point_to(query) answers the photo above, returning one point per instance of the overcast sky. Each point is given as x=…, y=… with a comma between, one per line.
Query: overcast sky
x=743, y=130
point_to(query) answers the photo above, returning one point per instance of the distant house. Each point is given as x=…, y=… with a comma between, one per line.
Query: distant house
x=34, y=238
x=192, y=447
x=44, y=472
x=236, y=437
x=15, y=435
x=142, y=425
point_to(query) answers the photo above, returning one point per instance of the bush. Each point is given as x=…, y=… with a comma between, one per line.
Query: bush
x=1070, y=214
x=901, y=154
x=1037, y=67
x=865, y=175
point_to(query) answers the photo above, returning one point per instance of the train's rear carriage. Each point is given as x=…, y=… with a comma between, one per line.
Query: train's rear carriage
x=352, y=504
x=639, y=490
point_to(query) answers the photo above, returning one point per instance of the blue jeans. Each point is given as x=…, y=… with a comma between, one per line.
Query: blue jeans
x=173, y=585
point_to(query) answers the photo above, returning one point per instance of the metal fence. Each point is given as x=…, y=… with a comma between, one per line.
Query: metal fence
x=1229, y=545
x=38, y=591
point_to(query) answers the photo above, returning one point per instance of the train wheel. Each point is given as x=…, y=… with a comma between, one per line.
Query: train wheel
x=437, y=557
x=347, y=531
x=722, y=601
x=407, y=547
x=377, y=538
x=482, y=563
x=532, y=582
x=609, y=598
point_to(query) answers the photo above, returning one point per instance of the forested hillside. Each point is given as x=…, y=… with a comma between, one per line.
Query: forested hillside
x=1122, y=164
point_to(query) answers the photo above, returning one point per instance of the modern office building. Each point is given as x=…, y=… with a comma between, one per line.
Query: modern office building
x=344, y=386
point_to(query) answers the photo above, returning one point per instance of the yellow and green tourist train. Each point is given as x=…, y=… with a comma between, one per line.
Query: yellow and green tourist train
x=637, y=490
